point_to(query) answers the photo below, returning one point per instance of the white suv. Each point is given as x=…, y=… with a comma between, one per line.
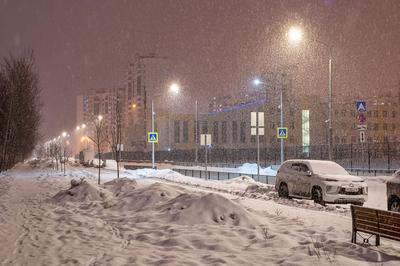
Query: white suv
x=322, y=181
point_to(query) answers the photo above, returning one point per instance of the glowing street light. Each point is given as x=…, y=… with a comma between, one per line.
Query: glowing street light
x=64, y=134
x=257, y=82
x=295, y=34
x=174, y=88
x=100, y=117
x=78, y=127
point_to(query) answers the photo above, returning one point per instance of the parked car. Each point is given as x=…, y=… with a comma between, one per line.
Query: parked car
x=393, y=192
x=322, y=181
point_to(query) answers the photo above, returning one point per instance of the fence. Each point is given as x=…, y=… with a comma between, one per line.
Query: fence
x=217, y=175
x=367, y=156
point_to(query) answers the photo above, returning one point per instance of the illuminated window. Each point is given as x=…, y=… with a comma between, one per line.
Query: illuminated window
x=305, y=126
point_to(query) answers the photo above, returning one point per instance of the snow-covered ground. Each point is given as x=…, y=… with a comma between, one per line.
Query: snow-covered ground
x=164, y=218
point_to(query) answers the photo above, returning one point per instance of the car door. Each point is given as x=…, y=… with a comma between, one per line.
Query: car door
x=304, y=181
x=295, y=179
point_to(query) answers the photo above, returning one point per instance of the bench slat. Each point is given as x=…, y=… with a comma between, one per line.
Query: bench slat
x=367, y=223
x=370, y=229
x=391, y=232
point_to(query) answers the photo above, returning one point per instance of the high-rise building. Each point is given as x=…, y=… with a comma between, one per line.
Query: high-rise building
x=106, y=102
x=147, y=78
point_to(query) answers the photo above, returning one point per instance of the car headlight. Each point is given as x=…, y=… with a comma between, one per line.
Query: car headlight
x=365, y=190
x=332, y=189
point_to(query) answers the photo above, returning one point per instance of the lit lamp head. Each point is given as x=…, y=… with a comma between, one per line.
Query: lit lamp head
x=174, y=88
x=257, y=82
x=64, y=134
x=295, y=34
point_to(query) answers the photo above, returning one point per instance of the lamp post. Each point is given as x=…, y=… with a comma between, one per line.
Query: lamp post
x=258, y=82
x=173, y=88
x=64, y=135
x=295, y=35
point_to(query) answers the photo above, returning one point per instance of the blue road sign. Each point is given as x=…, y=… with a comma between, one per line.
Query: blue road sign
x=152, y=137
x=282, y=132
x=361, y=106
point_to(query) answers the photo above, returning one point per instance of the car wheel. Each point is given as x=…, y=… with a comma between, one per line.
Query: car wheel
x=394, y=205
x=283, y=191
x=317, y=195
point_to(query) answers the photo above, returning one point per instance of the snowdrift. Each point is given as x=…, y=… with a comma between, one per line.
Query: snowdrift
x=80, y=191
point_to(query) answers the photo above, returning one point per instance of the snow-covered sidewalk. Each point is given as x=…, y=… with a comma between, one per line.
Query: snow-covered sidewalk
x=161, y=217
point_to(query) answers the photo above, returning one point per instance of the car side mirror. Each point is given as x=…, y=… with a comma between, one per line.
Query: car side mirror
x=309, y=173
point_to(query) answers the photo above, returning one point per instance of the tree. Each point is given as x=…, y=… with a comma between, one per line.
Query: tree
x=19, y=109
x=98, y=138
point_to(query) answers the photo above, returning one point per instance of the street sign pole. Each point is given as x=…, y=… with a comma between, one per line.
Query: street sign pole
x=206, y=155
x=152, y=129
x=196, y=140
x=282, y=150
x=205, y=140
x=258, y=155
x=257, y=128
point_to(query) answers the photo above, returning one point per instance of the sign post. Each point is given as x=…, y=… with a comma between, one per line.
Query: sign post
x=361, y=107
x=257, y=129
x=205, y=140
x=152, y=137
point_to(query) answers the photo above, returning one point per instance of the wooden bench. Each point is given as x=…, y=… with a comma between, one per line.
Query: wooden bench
x=375, y=222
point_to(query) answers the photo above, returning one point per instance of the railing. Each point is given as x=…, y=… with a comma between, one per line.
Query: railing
x=217, y=175
x=375, y=172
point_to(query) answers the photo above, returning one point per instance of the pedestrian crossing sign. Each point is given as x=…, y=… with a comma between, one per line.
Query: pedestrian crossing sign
x=152, y=137
x=282, y=132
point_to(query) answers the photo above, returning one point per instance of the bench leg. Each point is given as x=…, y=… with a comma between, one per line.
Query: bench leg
x=354, y=236
x=377, y=240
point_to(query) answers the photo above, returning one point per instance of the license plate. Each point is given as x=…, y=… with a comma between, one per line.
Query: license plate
x=351, y=189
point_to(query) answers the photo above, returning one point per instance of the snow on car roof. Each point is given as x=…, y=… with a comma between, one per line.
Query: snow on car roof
x=323, y=166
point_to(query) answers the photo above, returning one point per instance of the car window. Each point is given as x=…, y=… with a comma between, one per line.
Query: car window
x=295, y=167
x=303, y=168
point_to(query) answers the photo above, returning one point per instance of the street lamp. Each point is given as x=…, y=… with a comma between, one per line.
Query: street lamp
x=64, y=135
x=259, y=82
x=173, y=88
x=295, y=35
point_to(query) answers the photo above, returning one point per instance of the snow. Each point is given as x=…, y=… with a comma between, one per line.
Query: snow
x=247, y=169
x=112, y=165
x=165, y=217
x=251, y=168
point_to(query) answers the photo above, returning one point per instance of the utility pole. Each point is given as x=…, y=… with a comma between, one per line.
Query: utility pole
x=196, y=118
x=281, y=107
x=330, y=110
x=152, y=130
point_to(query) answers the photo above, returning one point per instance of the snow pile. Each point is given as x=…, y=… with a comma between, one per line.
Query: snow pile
x=121, y=185
x=112, y=165
x=251, y=169
x=147, y=197
x=79, y=191
x=189, y=209
x=173, y=204
x=96, y=162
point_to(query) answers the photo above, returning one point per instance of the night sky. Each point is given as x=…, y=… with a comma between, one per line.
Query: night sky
x=214, y=47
